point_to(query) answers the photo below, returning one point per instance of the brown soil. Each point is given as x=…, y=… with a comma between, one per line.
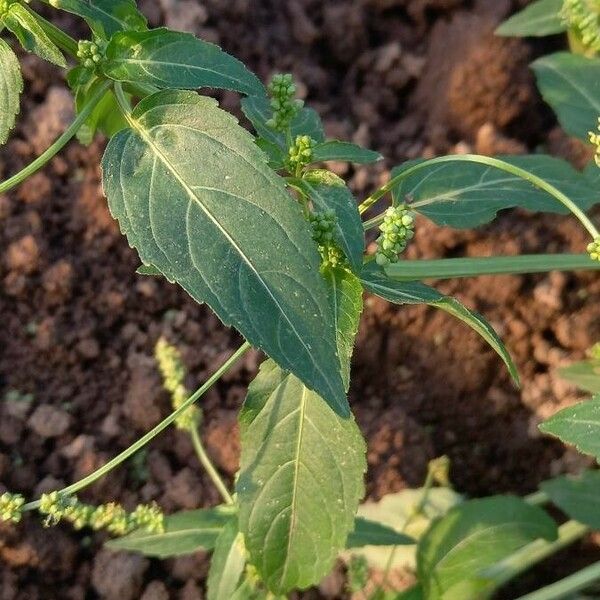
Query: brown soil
x=406, y=77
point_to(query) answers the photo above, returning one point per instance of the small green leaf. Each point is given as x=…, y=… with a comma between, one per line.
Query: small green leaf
x=24, y=25
x=344, y=151
x=307, y=122
x=11, y=86
x=171, y=59
x=578, y=425
x=185, y=532
x=577, y=496
x=570, y=84
x=396, y=511
x=372, y=533
x=538, y=19
x=346, y=294
x=349, y=232
x=453, y=555
x=414, y=292
x=471, y=194
x=300, y=481
x=227, y=565
x=148, y=270
x=105, y=17
x=585, y=374
x=195, y=197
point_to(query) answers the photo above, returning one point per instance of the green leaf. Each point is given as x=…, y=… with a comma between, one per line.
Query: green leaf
x=349, y=232
x=585, y=374
x=227, y=565
x=453, y=555
x=195, y=197
x=578, y=497
x=413, y=292
x=570, y=84
x=536, y=20
x=258, y=111
x=372, y=533
x=471, y=194
x=346, y=293
x=396, y=512
x=148, y=270
x=185, y=532
x=578, y=425
x=11, y=86
x=23, y=24
x=171, y=59
x=105, y=17
x=345, y=151
x=301, y=478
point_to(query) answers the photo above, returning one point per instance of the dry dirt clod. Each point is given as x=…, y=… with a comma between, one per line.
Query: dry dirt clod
x=118, y=575
x=49, y=422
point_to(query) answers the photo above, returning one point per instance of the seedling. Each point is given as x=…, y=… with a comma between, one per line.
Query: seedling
x=256, y=228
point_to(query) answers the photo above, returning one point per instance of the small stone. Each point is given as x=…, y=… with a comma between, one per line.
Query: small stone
x=48, y=421
x=155, y=590
x=23, y=255
x=118, y=575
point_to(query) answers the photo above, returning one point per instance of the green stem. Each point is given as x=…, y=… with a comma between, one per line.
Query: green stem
x=567, y=586
x=450, y=268
x=533, y=553
x=139, y=444
x=207, y=464
x=64, y=41
x=59, y=144
x=489, y=162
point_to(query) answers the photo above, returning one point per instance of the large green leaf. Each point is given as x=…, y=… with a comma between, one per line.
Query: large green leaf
x=300, y=481
x=578, y=497
x=471, y=194
x=105, y=17
x=536, y=20
x=346, y=293
x=349, y=232
x=11, y=86
x=372, y=533
x=453, y=555
x=26, y=28
x=585, y=374
x=396, y=512
x=172, y=59
x=258, y=111
x=570, y=84
x=195, y=197
x=344, y=151
x=185, y=532
x=227, y=565
x=578, y=425
x=414, y=292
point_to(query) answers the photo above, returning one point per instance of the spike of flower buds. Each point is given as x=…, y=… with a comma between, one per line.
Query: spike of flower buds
x=594, y=249
x=397, y=230
x=300, y=154
x=583, y=16
x=89, y=53
x=282, y=91
x=595, y=139
x=11, y=506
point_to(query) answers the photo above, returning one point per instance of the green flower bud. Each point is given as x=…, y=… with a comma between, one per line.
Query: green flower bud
x=595, y=139
x=11, y=506
x=583, y=17
x=285, y=107
x=397, y=228
x=593, y=249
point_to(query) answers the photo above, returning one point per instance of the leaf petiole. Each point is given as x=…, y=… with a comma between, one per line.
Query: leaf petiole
x=59, y=144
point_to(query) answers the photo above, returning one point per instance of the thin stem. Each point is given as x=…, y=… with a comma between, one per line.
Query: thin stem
x=139, y=444
x=490, y=162
x=567, y=586
x=207, y=464
x=123, y=103
x=533, y=553
x=450, y=268
x=64, y=41
x=59, y=144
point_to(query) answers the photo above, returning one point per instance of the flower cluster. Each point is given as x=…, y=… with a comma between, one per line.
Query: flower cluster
x=282, y=91
x=583, y=16
x=11, y=507
x=594, y=249
x=323, y=226
x=595, y=139
x=397, y=230
x=112, y=516
x=300, y=154
x=173, y=373
x=89, y=54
